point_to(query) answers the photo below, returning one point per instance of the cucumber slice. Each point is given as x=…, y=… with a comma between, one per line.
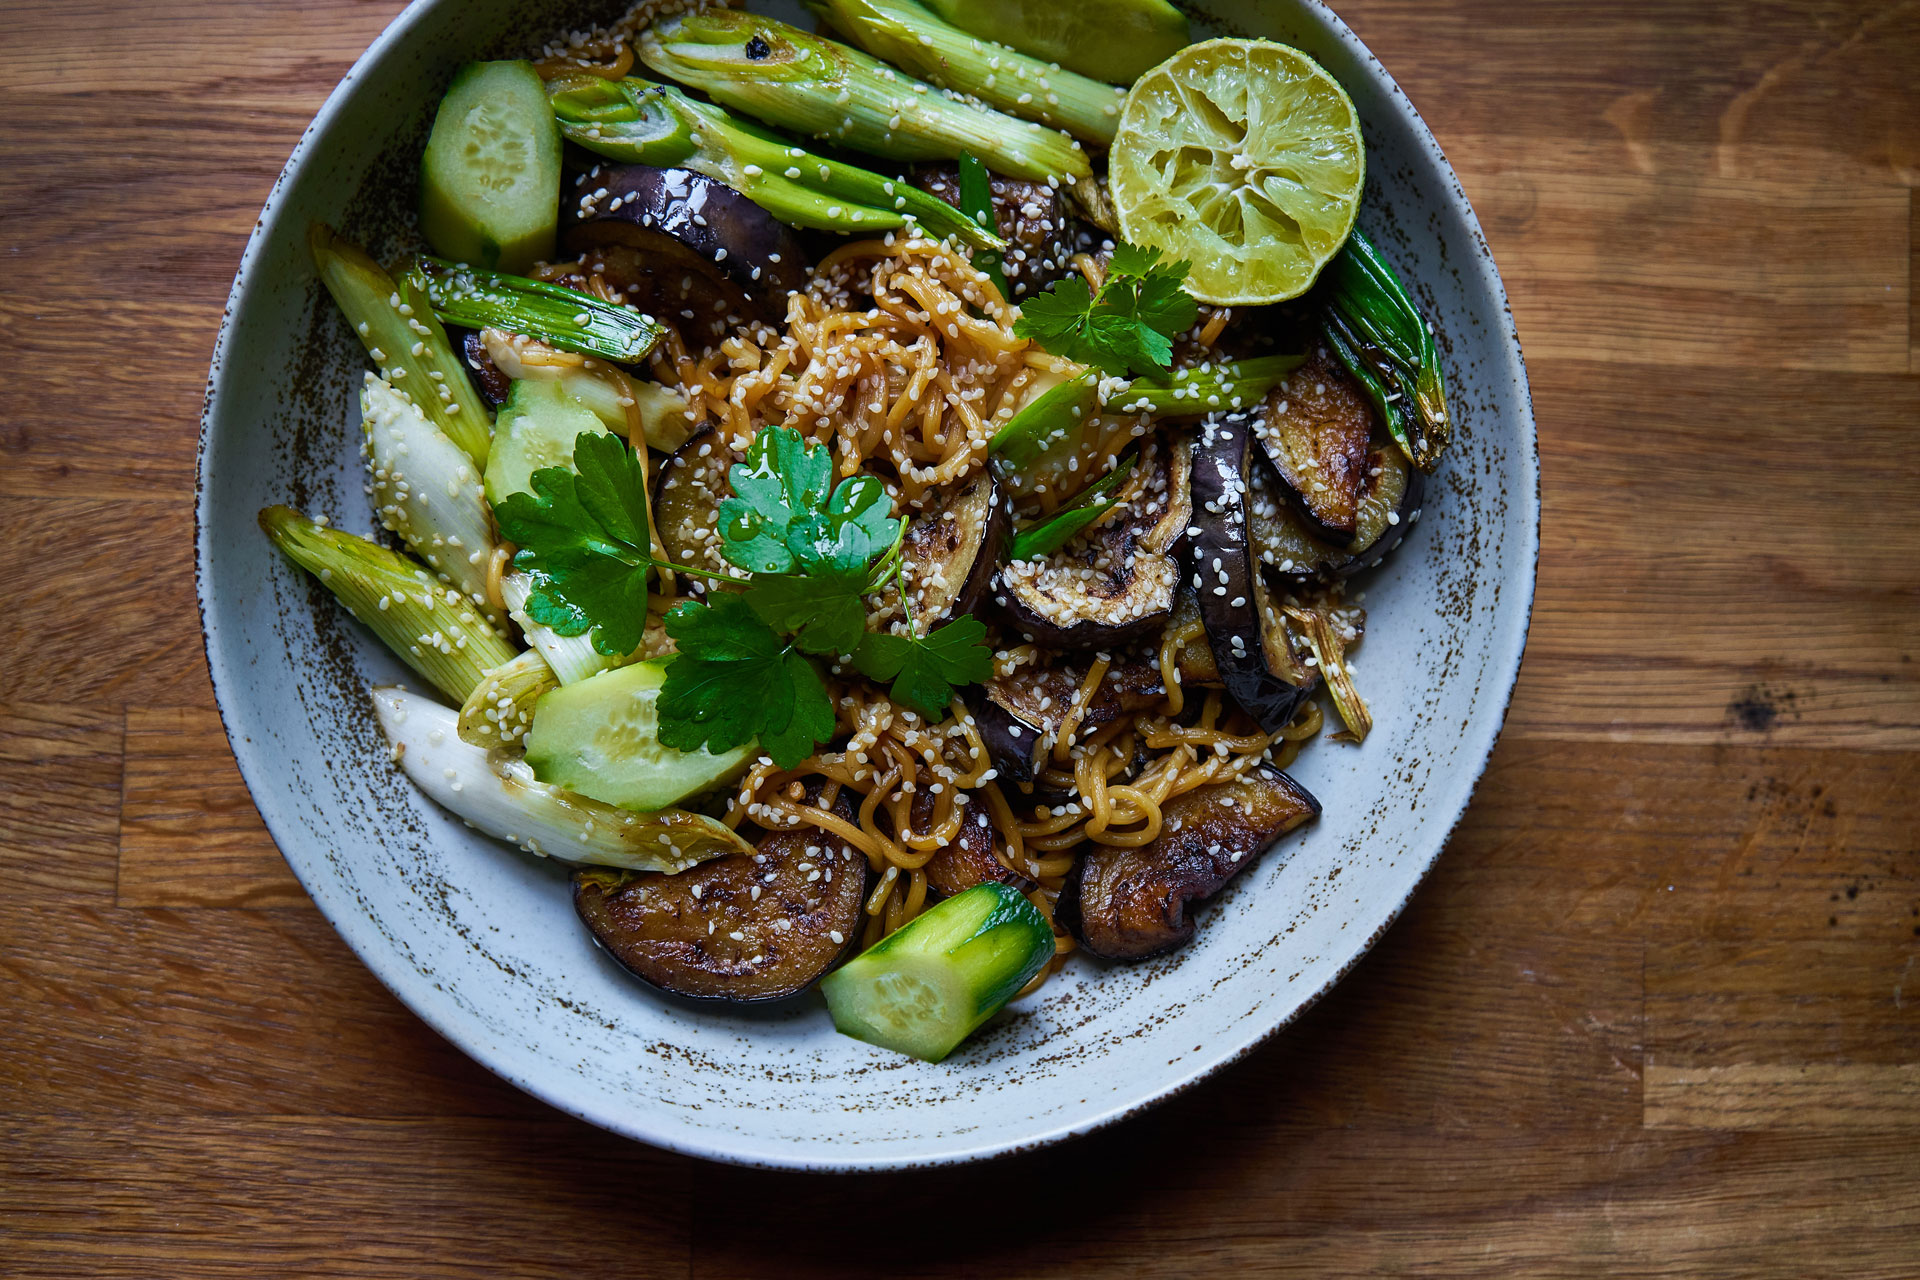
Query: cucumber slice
x=923, y=989
x=600, y=738
x=535, y=428
x=490, y=179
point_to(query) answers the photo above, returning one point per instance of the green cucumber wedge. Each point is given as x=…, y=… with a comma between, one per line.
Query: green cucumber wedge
x=490, y=180
x=600, y=737
x=535, y=428
x=923, y=989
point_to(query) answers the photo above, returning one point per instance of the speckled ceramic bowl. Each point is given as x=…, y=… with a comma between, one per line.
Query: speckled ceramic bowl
x=481, y=941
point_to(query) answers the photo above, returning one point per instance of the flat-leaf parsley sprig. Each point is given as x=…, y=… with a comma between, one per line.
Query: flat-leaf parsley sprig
x=814, y=550
x=583, y=541
x=1127, y=329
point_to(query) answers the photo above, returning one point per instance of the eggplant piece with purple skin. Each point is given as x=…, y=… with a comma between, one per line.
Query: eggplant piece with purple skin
x=683, y=248
x=1252, y=649
x=973, y=855
x=493, y=385
x=952, y=550
x=1128, y=904
x=1115, y=581
x=1193, y=659
x=686, y=505
x=1316, y=428
x=1014, y=712
x=737, y=929
x=1389, y=505
x=1031, y=215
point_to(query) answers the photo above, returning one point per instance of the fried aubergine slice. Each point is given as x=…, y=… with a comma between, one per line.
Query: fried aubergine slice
x=683, y=248
x=953, y=549
x=1390, y=503
x=1114, y=581
x=1128, y=904
x=973, y=855
x=740, y=929
x=1015, y=712
x=1031, y=215
x=1317, y=430
x=687, y=494
x=1252, y=651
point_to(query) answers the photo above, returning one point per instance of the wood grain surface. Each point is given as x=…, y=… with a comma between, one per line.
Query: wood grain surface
x=1656, y=1013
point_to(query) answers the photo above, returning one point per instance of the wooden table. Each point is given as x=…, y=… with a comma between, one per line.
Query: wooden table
x=1657, y=1012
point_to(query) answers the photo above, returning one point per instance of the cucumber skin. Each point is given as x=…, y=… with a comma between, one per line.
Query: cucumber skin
x=564, y=715
x=456, y=222
x=943, y=935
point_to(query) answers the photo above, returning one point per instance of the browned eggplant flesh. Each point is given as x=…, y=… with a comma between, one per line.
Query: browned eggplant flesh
x=684, y=248
x=1252, y=650
x=1390, y=500
x=1128, y=904
x=686, y=505
x=1317, y=428
x=1193, y=656
x=972, y=857
x=1019, y=713
x=1032, y=217
x=740, y=929
x=953, y=549
x=493, y=385
x=1114, y=581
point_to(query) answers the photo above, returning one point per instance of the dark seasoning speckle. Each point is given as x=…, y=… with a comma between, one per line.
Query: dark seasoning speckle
x=357, y=831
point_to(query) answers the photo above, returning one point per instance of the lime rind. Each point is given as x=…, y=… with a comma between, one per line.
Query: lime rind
x=1245, y=158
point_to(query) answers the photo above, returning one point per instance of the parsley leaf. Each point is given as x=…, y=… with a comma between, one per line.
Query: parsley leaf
x=787, y=516
x=825, y=612
x=734, y=679
x=1128, y=328
x=925, y=670
x=583, y=540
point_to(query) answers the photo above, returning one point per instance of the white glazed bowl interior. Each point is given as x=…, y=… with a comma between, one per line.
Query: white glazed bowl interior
x=481, y=940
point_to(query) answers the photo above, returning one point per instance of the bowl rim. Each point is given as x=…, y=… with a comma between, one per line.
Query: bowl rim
x=1508, y=645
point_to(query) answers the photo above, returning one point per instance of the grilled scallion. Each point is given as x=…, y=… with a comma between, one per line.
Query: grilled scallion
x=636, y=121
x=976, y=201
x=427, y=490
x=499, y=711
x=1205, y=388
x=1056, y=530
x=1052, y=417
x=1330, y=655
x=558, y=316
x=572, y=658
x=1379, y=335
x=405, y=339
x=785, y=76
x=908, y=35
x=502, y=798
x=431, y=627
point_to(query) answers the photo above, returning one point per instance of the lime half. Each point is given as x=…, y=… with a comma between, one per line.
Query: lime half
x=1243, y=157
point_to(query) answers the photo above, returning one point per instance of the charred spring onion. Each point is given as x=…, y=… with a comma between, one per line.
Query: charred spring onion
x=504, y=800
x=1379, y=335
x=427, y=490
x=404, y=339
x=431, y=627
x=823, y=89
x=1053, y=533
x=499, y=711
x=558, y=316
x=1052, y=416
x=636, y=121
x=908, y=35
